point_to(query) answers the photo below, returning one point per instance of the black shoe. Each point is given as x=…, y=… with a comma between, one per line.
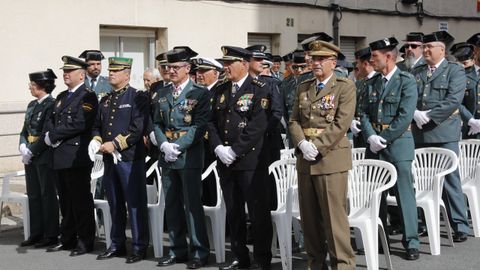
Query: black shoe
x=59, y=247
x=460, y=237
x=110, y=253
x=170, y=260
x=30, y=241
x=412, y=254
x=235, y=265
x=136, y=256
x=46, y=242
x=256, y=266
x=79, y=250
x=197, y=263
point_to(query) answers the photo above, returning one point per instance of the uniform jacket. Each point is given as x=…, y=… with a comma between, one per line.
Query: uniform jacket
x=102, y=86
x=188, y=114
x=403, y=67
x=240, y=121
x=121, y=119
x=35, y=125
x=288, y=89
x=71, y=123
x=470, y=106
x=442, y=93
x=275, y=110
x=394, y=106
x=332, y=110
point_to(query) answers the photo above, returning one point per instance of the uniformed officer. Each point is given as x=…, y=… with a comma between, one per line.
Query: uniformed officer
x=288, y=87
x=118, y=133
x=323, y=111
x=475, y=41
x=413, y=52
x=277, y=63
x=208, y=72
x=94, y=80
x=69, y=131
x=470, y=107
x=37, y=157
x=162, y=67
x=180, y=124
x=236, y=133
x=441, y=88
x=389, y=102
x=365, y=72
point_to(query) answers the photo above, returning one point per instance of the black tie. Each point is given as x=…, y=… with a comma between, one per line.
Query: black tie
x=92, y=83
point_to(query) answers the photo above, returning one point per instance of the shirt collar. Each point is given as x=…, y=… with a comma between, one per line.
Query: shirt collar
x=439, y=63
x=211, y=85
x=43, y=98
x=390, y=74
x=183, y=85
x=241, y=81
x=371, y=74
x=325, y=81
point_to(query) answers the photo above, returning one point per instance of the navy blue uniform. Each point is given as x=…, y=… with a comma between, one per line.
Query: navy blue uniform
x=240, y=121
x=71, y=125
x=121, y=119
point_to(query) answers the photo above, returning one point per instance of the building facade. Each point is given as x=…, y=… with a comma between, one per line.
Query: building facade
x=36, y=34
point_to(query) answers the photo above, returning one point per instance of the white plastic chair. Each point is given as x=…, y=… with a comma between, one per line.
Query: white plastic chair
x=430, y=167
x=97, y=172
x=287, y=153
x=216, y=216
x=156, y=214
x=358, y=153
x=469, y=166
x=367, y=180
x=8, y=196
x=285, y=175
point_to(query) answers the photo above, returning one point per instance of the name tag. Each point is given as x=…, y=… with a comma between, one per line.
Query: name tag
x=124, y=106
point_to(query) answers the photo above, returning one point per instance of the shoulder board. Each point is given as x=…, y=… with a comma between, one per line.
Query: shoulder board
x=308, y=80
x=343, y=79
x=405, y=74
x=222, y=82
x=455, y=63
x=199, y=86
x=88, y=89
x=258, y=83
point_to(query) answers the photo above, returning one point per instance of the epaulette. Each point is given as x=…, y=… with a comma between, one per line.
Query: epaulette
x=88, y=89
x=343, y=79
x=199, y=85
x=406, y=74
x=455, y=63
x=308, y=80
x=222, y=82
x=258, y=83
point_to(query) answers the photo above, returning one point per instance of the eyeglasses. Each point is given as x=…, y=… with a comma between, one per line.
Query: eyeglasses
x=413, y=46
x=175, y=68
x=298, y=67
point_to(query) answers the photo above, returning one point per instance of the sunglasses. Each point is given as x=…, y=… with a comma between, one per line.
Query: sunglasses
x=413, y=46
x=298, y=67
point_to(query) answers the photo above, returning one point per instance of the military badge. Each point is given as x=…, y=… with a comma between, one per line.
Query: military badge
x=222, y=98
x=244, y=102
x=154, y=95
x=187, y=118
x=242, y=124
x=162, y=100
x=39, y=115
x=188, y=105
x=59, y=103
x=327, y=102
x=87, y=107
x=101, y=95
x=329, y=118
x=264, y=103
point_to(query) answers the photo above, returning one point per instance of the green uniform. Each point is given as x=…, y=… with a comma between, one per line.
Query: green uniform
x=470, y=107
x=39, y=175
x=388, y=112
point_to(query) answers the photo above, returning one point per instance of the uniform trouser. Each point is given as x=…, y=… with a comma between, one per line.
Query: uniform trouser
x=184, y=213
x=209, y=184
x=323, y=200
x=452, y=192
x=239, y=187
x=125, y=184
x=405, y=195
x=42, y=201
x=76, y=204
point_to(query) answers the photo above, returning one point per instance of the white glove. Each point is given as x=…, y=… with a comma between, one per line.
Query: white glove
x=93, y=148
x=152, y=138
x=354, y=127
x=224, y=153
x=308, y=149
x=421, y=118
x=24, y=149
x=377, y=143
x=27, y=158
x=170, y=150
x=474, y=125
x=116, y=157
x=47, y=139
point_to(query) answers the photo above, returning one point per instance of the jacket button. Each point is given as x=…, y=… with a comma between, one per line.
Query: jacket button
x=109, y=133
x=226, y=131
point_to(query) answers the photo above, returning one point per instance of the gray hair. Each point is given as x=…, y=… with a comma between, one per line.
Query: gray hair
x=155, y=73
